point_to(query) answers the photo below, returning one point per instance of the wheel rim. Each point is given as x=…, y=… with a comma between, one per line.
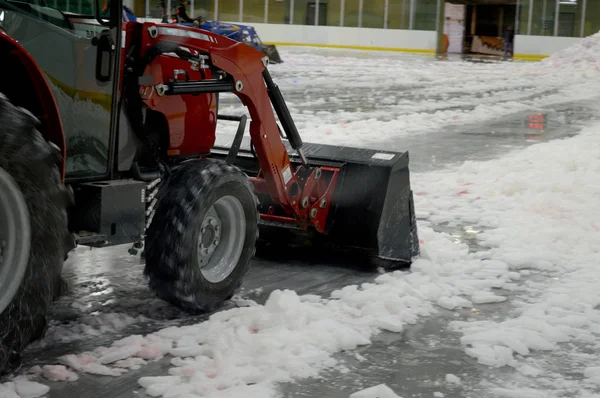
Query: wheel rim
x=15, y=238
x=221, y=239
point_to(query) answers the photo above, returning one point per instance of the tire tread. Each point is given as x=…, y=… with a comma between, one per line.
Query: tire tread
x=34, y=164
x=169, y=246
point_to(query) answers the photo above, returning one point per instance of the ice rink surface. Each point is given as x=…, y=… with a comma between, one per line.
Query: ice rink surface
x=502, y=303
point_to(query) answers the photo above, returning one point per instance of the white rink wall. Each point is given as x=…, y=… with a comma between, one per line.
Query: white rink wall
x=536, y=46
x=408, y=40
x=526, y=47
x=335, y=36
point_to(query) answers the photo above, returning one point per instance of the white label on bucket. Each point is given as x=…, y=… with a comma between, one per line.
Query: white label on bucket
x=287, y=175
x=383, y=156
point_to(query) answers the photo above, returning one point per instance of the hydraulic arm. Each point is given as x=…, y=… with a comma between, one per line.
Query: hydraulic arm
x=303, y=194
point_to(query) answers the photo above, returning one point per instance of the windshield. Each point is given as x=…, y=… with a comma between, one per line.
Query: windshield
x=52, y=8
x=34, y=8
x=75, y=16
x=81, y=7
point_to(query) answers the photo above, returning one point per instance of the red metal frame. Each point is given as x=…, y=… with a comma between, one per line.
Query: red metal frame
x=245, y=65
x=313, y=205
x=192, y=119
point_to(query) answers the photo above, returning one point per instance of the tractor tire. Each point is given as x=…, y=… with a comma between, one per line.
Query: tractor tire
x=202, y=236
x=34, y=235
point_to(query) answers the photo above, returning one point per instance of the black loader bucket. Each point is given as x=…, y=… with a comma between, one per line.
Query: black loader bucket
x=372, y=219
x=372, y=211
x=271, y=51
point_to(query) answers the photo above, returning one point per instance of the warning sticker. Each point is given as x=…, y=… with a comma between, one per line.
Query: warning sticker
x=383, y=156
x=287, y=175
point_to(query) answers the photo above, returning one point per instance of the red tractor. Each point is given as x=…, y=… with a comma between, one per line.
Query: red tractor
x=108, y=137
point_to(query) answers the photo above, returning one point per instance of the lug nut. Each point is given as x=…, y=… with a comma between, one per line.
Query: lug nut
x=313, y=213
x=216, y=242
x=305, y=202
x=323, y=203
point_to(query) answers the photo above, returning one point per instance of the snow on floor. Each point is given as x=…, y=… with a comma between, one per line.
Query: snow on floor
x=377, y=100
x=87, y=327
x=534, y=211
x=537, y=209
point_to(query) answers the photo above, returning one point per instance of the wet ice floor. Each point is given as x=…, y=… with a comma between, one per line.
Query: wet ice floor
x=109, y=283
x=413, y=363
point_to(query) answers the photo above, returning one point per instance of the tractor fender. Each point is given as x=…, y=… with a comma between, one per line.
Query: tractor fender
x=31, y=91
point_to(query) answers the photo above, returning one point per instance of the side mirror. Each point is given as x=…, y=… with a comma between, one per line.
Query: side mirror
x=112, y=15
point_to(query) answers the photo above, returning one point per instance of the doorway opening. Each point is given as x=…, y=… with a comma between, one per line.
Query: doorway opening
x=311, y=11
x=485, y=30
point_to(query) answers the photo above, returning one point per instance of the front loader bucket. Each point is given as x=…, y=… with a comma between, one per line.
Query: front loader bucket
x=271, y=51
x=373, y=212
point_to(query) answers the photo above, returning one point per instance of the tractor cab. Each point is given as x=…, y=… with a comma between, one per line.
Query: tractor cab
x=74, y=45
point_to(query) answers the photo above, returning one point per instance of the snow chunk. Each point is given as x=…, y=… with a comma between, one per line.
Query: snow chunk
x=518, y=393
x=131, y=363
x=378, y=391
x=592, y=373
x=89, y=326
x=99, y=369
x=77, y=362
x=451, y=303
x=7, y=390
x=58, y=373
x=390, y=323
x=151, y=380
x=30, y=389
x=119, y=352
x=359, y=357
x=453, y=379
x=486, y=297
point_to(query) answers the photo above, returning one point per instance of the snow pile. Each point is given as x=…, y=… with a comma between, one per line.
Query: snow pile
x=539, y=211
x=580, y=57
x=254, y=347
x=290, y=337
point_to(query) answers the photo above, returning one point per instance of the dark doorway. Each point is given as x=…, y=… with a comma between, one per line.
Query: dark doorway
x=311, y=11
x=485, y=25
x=566, y=26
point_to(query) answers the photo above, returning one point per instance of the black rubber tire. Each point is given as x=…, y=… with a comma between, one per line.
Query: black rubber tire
x=33, y=163
x=172, y=264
